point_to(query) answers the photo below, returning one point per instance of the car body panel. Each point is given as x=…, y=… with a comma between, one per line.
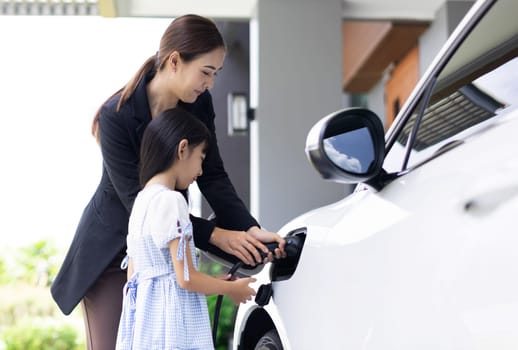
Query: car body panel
x=402, y=281
x=427, y=260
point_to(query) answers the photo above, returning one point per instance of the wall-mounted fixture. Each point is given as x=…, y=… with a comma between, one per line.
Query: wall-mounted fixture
x=238, y=113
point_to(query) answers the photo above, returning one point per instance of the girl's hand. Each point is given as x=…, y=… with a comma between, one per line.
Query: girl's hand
x=241, y=292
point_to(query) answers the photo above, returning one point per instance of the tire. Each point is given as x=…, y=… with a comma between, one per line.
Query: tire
x=269, y=341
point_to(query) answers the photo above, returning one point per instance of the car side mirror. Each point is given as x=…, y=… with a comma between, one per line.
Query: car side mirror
x=347, y=146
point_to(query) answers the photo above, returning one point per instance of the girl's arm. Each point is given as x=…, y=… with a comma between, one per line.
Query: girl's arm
x=130, y=270
x=238, y=290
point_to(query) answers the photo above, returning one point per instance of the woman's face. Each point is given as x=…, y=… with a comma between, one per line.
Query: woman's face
x=198, y=75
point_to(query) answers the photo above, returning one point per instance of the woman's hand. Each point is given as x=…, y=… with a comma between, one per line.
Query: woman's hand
x=244, y=245
x=267, y=237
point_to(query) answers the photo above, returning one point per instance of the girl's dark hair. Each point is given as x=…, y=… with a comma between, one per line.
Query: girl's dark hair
x=159, y=148
x=189, y=35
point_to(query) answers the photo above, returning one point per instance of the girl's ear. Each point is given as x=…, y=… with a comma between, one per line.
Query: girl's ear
x=183, y=148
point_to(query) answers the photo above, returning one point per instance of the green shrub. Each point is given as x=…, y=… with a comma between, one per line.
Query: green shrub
x=6, y=275
x=41, y=334
x=227, y=312
x=225, y=321
x=38, y=262
x=20, y=300
x=29, y=318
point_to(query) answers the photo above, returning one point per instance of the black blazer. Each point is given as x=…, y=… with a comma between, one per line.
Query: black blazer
x=101, y=233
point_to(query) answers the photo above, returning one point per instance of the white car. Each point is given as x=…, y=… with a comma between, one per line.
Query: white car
x=424, y=253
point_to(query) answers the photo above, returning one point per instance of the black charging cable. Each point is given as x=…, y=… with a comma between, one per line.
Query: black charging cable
x=271, y=247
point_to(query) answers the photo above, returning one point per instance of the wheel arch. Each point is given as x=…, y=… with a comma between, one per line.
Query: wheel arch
x=258, y=323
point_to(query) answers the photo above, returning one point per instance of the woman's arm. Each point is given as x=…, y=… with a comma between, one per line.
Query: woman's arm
x=238, y=290
x=234, y=230
x=215, y=185
x=245, y=245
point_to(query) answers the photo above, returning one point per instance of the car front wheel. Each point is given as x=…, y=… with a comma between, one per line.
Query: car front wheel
x=269, y=341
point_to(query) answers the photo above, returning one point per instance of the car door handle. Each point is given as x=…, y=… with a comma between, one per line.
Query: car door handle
x=487, y=200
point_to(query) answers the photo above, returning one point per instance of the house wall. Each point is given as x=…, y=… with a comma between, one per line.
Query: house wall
x=296, y=71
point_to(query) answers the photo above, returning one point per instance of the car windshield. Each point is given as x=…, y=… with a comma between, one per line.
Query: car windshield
x=478, y=84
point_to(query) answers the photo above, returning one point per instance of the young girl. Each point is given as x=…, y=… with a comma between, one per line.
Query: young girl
x=164, y=305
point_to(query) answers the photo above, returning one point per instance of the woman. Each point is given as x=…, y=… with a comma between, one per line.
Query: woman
x=190, y=55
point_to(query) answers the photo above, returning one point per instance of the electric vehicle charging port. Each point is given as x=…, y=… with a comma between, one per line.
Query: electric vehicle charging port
x=283, y=269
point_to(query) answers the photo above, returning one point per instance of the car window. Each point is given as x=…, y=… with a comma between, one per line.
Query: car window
x=477, y=85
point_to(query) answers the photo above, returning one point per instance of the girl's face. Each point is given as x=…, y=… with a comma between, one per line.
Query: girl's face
x=198, y=75
x=189, y=165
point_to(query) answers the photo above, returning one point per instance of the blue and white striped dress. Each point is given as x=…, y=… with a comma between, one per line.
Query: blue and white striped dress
x=157, y=313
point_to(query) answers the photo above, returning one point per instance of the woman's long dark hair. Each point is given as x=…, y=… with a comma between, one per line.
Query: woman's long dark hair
x=189, y=35
x=159, y=148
